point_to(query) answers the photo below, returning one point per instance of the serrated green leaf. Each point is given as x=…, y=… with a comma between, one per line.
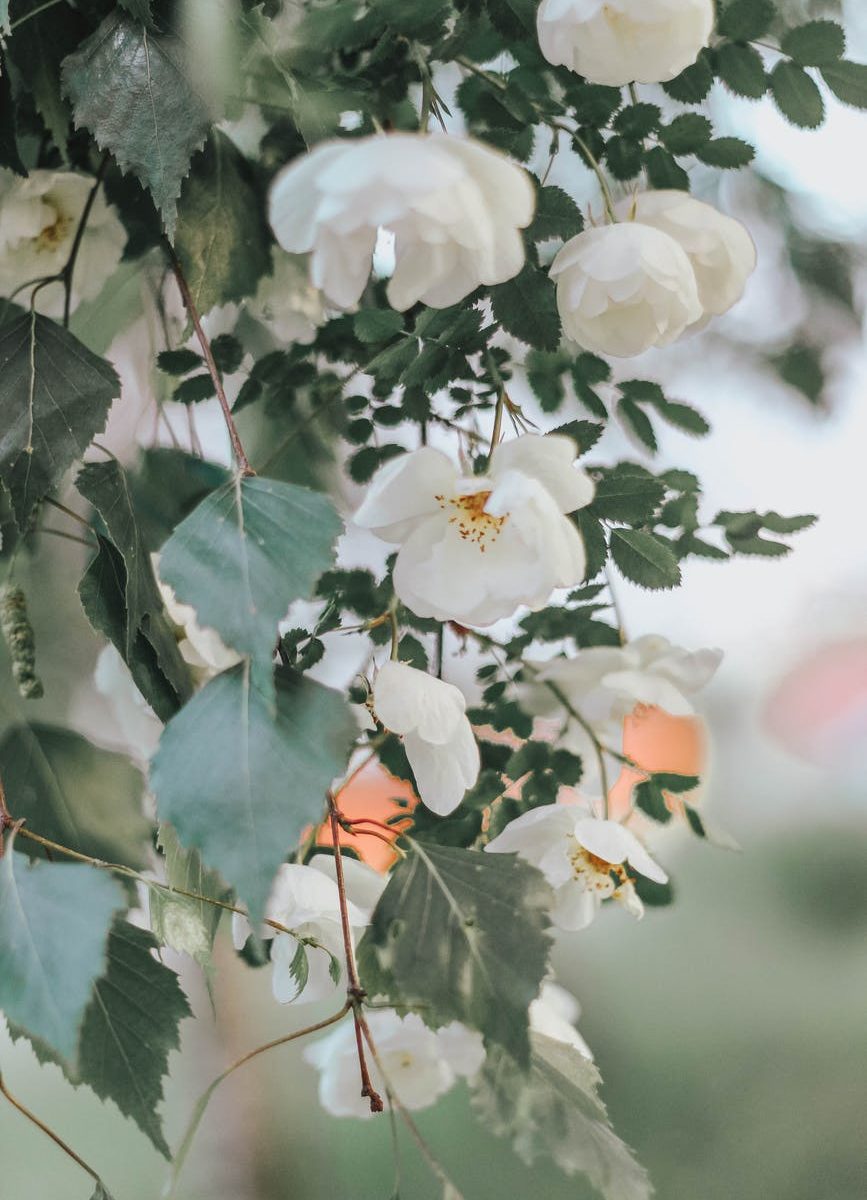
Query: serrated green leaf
x=264, y=773
x=526, y=307
x=778, y=524
x=245, y=554
x=461, y=935
x=797, y=96
x=664, y=172
x=194, y=389
x=848, y=82
x=585, y=434
x=623, y=157
x=54, y=398
x=627, y=496
x=54, y=922
x=595, y=545
x=74, y=793
x=131, y=89
x=683, y=416
x=693, y=84
x=686, y=133
x=555, y=1110
x=638, y=120
x=557, y=216
x=651, y=801
x=221, y=237
x=746, y=20
x=815, y=44
x=728, y=153
x=373, y=325
x=645, y=559
x=670, y=782
x=742, y=70
x=178, y=362
x=636, y=420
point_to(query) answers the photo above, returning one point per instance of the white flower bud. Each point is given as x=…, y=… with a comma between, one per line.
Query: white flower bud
x=624, y=41
x=624, y=288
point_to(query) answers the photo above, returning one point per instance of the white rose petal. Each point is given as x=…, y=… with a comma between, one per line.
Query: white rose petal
x=624, y=41
x=554, y=1013
x=202, y=649
x=455, y=208
x=475, y=549
x=624, y=288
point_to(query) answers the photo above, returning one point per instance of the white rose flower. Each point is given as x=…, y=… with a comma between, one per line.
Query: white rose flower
x=420, y=1064
x=624, y=41
x=39, y=217
x=581, y=857
x=202, y=649
x=624, y=288
x=286, y=302
x=554, y=1013
x=429, y=716
x=305, y=899
x=720, y=249
x=456, y=209
x=473, y=549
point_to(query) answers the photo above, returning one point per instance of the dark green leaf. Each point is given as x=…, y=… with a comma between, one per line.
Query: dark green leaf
x=816, y=44
x=695, y=822
x=801, y=367
x=848, y=82
x=9, y=156
x=557, y=216
x=131, y=89
x=746, y=20
x=178, y=362
x=593, y=535
x=584, y=433
x=778, y=524
x=692, y=85
x=168, y=487
x=264, y=773
x=797, y=95
x=624, y=157
x=650, y=799
x=638, y=120
x=228, y=353
x=683, y=416
x=686, y=133
x=729, y=153
x=54, y=398
x=461, y=935
x=526, y=307
x=664, y=172
x=742, y=70
x=670, y=782
x=140, y=10
x=373, y=325
x=645, y=559
x=195, y=389
x=636, y=420
x=54, y=921
x=627, y=496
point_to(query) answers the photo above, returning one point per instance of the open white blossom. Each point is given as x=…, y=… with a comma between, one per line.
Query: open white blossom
x=39, y=217
x=429, y=715
x=554, y=1013
x=719, y=248
x=202, y=649
x=305, y=899
x=586, y=860
x=455, y=207
x=475, y=548
x=626, y=287
x=624, y=41
x=420, y=1064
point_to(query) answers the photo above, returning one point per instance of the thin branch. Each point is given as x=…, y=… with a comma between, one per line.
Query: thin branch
x=71, y=513
x=69, y=268
x=34, y=12
x=43, y=1128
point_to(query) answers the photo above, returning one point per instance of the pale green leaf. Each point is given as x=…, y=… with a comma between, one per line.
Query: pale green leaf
x=188, y=926
x=240, y=782
x=54, y=398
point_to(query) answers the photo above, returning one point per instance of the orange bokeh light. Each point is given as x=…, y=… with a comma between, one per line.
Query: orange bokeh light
x=373, y=793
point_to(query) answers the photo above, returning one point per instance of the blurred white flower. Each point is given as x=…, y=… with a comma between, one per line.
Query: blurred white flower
x=554, y=1013
x=39, y=217
x=420, y=1064
x=305, y=899
x=623, y=288
x=473, y=549
x=456, y=209
x=202, y=649
x=429, y=715
x=720, y=249
x=584, y=859
x=287, y=302
x=624, y=41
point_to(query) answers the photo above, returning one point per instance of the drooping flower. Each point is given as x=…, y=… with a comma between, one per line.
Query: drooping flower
x=429, y=715
x=554, y=1013
x=624, y=41
x=455, y=207
x=473, y=549
x=586, y=860
x=624, y=288
x=719, y=248
x=420, y=1064
x=39, y=217
x=305, y=899
x=202, y=649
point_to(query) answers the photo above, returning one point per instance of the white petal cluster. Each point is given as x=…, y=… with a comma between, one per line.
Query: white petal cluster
x=202, y=649
x=585, y=860
x=456, y=209
x=624, y=41
x=667, y=266
x=39, y=217
x=473, y=549
x=305, y=899
x=430, y=717
x=554, y=1013
x=420, y=1064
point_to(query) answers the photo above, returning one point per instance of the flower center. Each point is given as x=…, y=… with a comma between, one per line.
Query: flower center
x=52, y=236
x=468, y=514
x=595, y=874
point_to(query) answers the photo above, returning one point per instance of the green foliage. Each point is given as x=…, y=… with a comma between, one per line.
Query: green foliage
x=815, y=44
x=742, y=70
x=460, y=936
x=54, y=398
x=131, y=89
x=848, y=82
x=187, y=925
x=526, y=307
x=644, y=558
x=265, y=771
x=797, y=95
x=746, y=20
x=557, y=216
x=54, y=922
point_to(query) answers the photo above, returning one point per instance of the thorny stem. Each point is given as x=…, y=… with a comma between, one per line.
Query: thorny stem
x=237, y=447
x=40, y=1125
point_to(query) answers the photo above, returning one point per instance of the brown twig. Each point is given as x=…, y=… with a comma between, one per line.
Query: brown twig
x=58, y=1141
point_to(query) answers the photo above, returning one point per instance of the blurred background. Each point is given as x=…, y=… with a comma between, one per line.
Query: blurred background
x=731, y=1028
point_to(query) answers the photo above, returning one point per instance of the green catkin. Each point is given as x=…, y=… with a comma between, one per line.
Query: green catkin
x=18, y=633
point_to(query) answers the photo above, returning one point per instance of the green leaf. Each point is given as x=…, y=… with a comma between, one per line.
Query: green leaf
x=178, y=362
x=195, y=389
x=557, y=216
x=461, y=935
x=670, y=782
x=778, y=524
x=264, y=773
x=801, y=367
x=526, y=307
x=848, y=82
x=221, y=237
x=728, y=153
x=242, y=557
x=815, y=44
x=664, y=172
x=686, y=133
x=797, y=96
x=555, y=1110
x=131, y=89
x=742, y=70
x=593, y=535
x=71, y=792
x=54, y=921
x=645, y=559
x=584, y=433
x=636, y=420
x=650, y=799
x=638, y=120
x=683, y=416
x=54, y=398
x=622, y=495
x=624, y=157
x=746, y=20
x=129, y=1029
x=168, y=487
x=695, y=822
x=693, y=85
x=188, y=926
x=373, y=325
x=139, y=9
x=9, y=155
